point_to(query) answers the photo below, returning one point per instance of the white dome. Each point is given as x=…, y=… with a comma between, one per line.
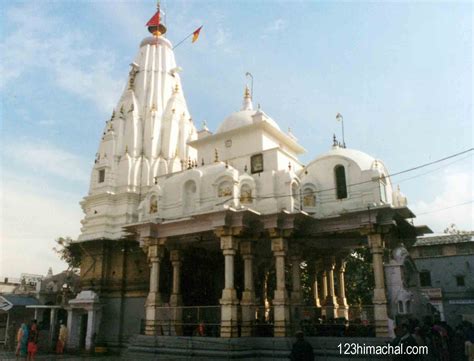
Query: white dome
x=363, y=160
x=241, y=119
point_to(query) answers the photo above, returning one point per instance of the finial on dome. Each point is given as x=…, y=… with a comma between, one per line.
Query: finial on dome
x=334, y=141
x=216, y=156
x=176, y=88
x=247, y=103
x=154, y=24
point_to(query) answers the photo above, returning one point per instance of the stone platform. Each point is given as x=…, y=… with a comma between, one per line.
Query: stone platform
x=243, y=348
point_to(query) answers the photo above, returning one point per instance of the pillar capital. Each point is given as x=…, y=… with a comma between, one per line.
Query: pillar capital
x=175, y=255
x=279, y=245
x=246, y=248
x=229, y=243
x=375, y=241
x=155, y=253
x=341, y=264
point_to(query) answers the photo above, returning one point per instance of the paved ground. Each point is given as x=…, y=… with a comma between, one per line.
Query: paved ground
x=9, y=356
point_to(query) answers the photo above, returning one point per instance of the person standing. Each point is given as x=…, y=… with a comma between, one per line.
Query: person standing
x=22, y=340
x=302, y=349
x=32, y=341
x=62, y=339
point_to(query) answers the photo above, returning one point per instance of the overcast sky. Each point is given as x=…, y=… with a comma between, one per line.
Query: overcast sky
x=400, y=73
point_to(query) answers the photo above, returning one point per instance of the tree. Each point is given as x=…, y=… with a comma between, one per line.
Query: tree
x=359, y=277
x=67, y=252
x=453, y=229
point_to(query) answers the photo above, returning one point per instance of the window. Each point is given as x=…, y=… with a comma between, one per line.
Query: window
x=400, y=307
x=309, y=198
x=383, y=189
x=341, y=187
x=101, y=176
x=408, y=307
x=190, y=190
x=425, y=279
x=460, y=281
x=256, y=163
x=245, y=194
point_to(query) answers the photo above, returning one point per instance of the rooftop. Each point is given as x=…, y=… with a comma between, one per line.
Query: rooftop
x=444, y=239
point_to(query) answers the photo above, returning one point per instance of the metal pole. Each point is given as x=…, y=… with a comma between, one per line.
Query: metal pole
x=251, y=83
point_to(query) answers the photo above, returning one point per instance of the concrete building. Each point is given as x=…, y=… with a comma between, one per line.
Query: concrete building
x=178, y=218
x=446, y=266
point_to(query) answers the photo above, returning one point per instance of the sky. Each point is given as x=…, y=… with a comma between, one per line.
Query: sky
x=399, y=72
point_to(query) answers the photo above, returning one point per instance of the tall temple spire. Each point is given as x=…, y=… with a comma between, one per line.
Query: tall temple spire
x=145, y=139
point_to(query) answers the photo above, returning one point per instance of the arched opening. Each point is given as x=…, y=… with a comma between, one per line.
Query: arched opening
x=341, y=186
x=246, y=194
x=309, y=198
x=225, y=189
x=189, y=203
x=153, y=205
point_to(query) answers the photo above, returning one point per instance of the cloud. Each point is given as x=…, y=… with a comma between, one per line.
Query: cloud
x=40, y=41
x=47, y=158
x=32, y=218
x=456, y=187
x=274, y=27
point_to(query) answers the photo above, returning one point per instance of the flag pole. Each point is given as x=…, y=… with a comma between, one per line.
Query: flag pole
x=182, y=41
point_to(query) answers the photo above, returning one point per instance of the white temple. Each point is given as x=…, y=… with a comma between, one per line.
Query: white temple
x=179, y=198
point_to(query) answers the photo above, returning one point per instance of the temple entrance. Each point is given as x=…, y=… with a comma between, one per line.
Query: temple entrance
x=83, y=331
x=203, y=277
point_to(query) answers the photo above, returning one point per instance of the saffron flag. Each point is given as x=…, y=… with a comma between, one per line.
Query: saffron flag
x=155, y=20
x=196, y=34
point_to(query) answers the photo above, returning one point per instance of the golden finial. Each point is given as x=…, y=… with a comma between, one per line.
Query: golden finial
x=153, y=108
x=247, y=92
x=216, y=155
x=176, y=88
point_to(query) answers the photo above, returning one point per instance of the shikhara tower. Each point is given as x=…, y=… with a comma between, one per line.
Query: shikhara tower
x=176, y=216
x=146, y=137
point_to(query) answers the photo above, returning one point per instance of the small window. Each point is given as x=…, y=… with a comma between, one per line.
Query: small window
x=256, y=163
x=341, y=187
x=309, y=198
x=460, y=281
x=101, y=176
x=400, y=307
x=425, y=278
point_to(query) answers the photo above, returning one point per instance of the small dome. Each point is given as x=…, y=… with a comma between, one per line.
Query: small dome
x=363, y=160
x=244, y=116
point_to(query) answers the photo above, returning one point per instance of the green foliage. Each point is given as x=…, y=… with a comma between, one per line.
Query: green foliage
x=453, y=229
x=359, y=277
x=68, y=252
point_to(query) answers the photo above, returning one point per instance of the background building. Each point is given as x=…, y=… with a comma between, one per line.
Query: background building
x=446, y=267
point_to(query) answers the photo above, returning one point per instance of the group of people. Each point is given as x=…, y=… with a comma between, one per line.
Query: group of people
x=27, y=340
x=444, y=343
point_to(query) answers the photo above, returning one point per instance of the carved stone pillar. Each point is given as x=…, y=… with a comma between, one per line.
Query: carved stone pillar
x=176, y=299
x=248, y=295
x=379, y=299
x=330, y=304
x=296, y=293
x=343, y=309
x=280, y=299
x=317, y=302
x=154, y=299
x=229, y=301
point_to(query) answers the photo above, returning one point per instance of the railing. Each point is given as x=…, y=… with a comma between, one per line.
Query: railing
x=206, y=321
x=185, y=321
